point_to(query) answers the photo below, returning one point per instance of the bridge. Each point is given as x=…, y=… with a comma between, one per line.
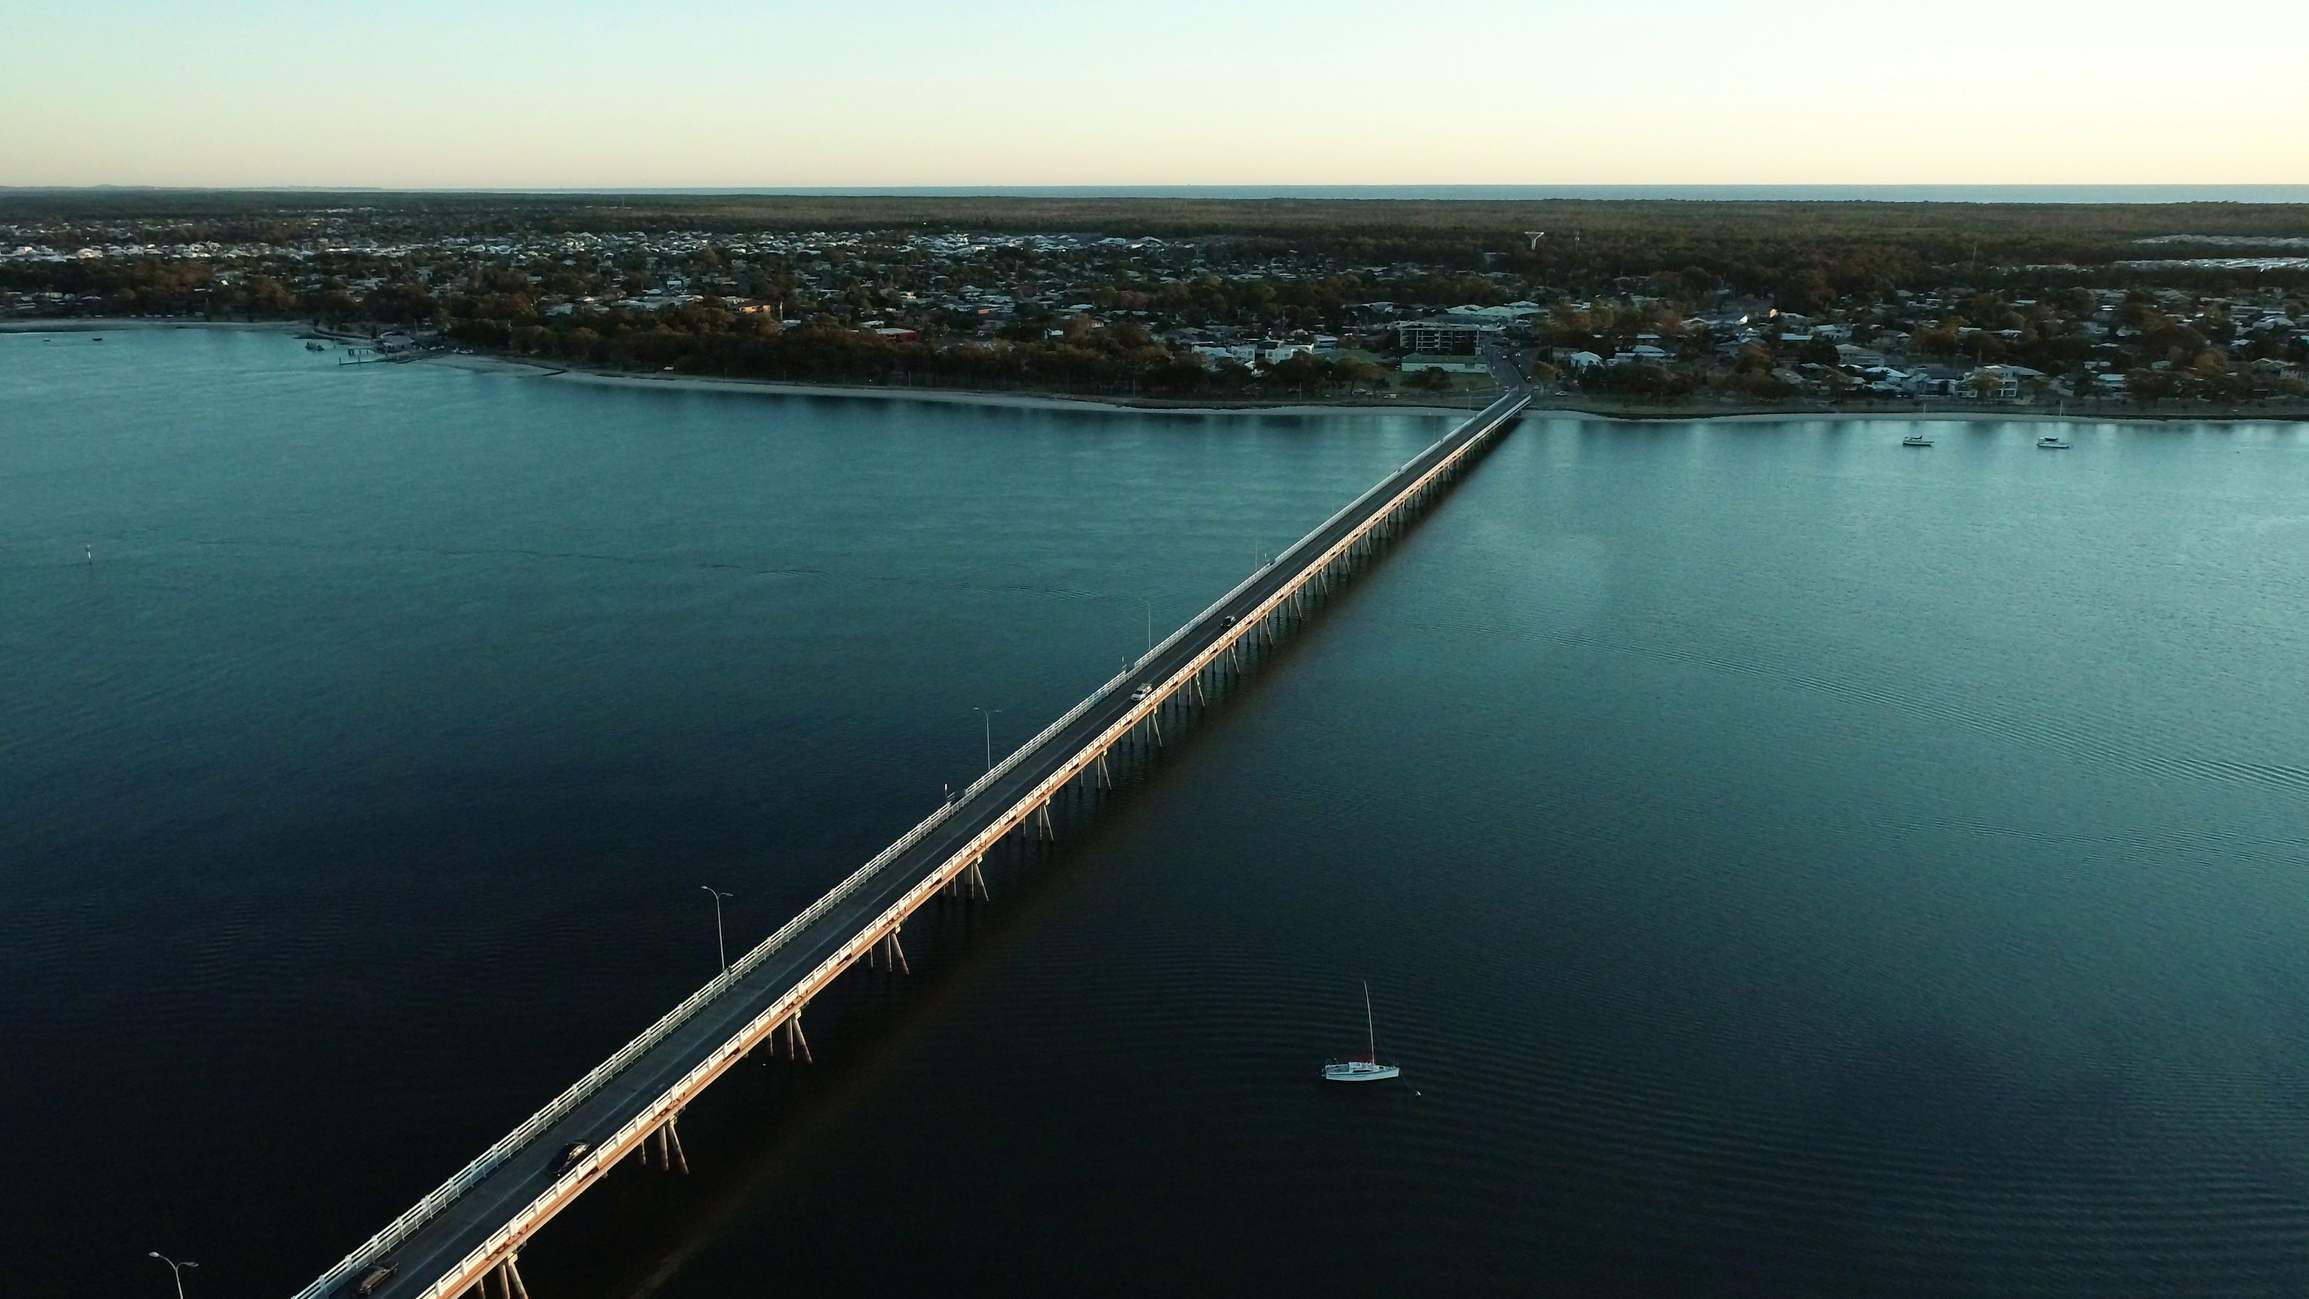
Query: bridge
x=467, y=1234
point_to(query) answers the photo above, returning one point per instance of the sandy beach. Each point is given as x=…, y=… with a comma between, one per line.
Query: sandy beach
x=945, y=396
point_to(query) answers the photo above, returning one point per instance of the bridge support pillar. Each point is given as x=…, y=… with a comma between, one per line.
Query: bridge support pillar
x=1155, y=724
x=795, y=1037
x=1105, y=777
x=897, y=954
x=978, y=880
x=1042, y=821
x=511, y=1281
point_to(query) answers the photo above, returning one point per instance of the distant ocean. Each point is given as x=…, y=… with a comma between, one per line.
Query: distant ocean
x=1695, y=193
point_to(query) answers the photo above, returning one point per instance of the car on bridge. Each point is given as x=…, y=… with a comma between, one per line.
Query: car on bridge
x=570, y=1154
x=371, y=1280
x=1145, y=688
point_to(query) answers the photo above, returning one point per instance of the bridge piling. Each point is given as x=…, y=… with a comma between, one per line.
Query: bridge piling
x=896, y=955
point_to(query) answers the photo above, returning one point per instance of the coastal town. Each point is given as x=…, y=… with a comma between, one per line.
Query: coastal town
x=2175, y=321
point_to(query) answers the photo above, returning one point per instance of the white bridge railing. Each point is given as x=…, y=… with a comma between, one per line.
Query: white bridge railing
x=400, y=1228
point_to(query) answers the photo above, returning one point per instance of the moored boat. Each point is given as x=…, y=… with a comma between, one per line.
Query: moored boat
x=1364, y=1067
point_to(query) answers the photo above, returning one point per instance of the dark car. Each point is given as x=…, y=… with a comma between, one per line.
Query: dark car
x=373, y=1279
x=570, y=1154
x=1227, y=621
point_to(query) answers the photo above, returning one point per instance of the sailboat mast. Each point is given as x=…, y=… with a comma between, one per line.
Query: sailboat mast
x=1370, y=1028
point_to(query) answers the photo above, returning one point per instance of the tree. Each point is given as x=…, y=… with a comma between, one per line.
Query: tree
x=1301, y=372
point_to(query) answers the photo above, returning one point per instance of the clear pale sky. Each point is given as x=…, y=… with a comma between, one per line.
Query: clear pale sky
x=593, y=93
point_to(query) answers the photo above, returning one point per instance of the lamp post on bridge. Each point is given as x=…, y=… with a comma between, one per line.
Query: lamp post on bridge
x=988, y=715
x=175, y=1268
x=721, y=948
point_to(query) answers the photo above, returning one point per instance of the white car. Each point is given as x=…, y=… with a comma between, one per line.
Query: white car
x=1144, y=689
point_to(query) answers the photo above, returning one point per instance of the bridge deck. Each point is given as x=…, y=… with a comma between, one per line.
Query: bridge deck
x=499, y=1203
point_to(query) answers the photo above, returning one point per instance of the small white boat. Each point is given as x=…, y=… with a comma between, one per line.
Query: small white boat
x=1364, y=1067
x=2050, y=443
x=1916, y=440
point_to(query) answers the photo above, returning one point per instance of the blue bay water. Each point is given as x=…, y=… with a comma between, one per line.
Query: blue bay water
x=1784, y=863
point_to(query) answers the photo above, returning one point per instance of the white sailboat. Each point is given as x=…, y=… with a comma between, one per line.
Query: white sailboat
x=1364, y=1067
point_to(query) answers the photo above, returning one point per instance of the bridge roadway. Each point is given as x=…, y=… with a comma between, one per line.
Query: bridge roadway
x=460, y=1233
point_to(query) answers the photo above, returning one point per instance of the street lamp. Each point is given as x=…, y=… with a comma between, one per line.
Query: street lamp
x=988, y=714
x=721, y=948
x=175, y=1268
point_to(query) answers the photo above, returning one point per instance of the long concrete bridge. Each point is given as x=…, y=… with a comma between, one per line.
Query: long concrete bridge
x=466, y=1235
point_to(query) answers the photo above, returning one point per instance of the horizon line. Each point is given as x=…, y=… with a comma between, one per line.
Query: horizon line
x=993, y=186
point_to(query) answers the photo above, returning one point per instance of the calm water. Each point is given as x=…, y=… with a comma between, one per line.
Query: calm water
x=1784, y=863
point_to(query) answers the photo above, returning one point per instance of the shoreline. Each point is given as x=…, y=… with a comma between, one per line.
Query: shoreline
x=1557, y=404
x=484, y=364
x=125, y=324
x=1551, y=405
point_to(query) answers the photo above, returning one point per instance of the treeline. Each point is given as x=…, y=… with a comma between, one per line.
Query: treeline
x=706, y=340
x=1804, y=255
x=150, y=286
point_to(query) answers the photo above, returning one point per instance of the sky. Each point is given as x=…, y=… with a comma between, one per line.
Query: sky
x=711, y=93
